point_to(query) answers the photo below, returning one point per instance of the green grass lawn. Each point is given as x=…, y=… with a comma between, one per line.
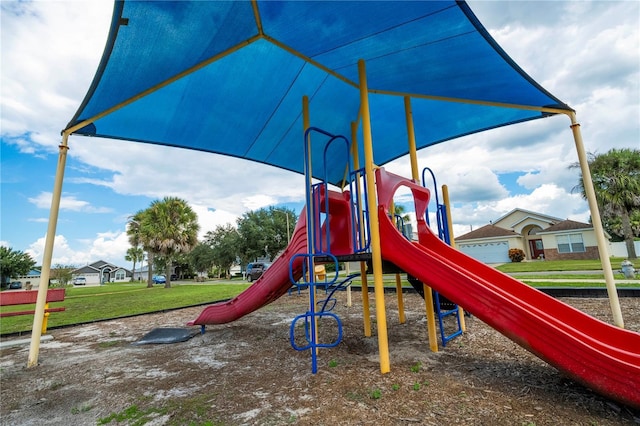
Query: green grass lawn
x=561, y=265
x=86, y=304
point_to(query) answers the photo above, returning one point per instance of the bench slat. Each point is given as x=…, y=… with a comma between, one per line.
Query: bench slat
x=25, y=297
x=16, y=313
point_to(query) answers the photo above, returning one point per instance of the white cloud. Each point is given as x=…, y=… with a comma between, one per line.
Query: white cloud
x=68, y=202
x=58, y=47
x=585, y=53
x=63, y=254
x=209, y=219
x=547, y=199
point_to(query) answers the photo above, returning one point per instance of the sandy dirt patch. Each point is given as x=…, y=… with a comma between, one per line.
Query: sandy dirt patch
x=246, y=372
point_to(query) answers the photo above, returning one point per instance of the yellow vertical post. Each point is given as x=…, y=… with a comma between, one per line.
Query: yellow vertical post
x=348, y=272
x=614, y=302
x=41, y=300
x=46, y=319
x=366, y=312
x=399, y=295
x=376, y=253
x=306, y=123
x=415, y=174
x=452, y=241
x=401, y=316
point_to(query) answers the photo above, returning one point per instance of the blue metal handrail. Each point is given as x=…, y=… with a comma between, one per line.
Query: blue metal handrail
x=443, y=234
x=361, y=239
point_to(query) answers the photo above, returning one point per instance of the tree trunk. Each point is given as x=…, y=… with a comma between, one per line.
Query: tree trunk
x=628, y=234
x=167, y=273
x=133, y=271
x=149, y=270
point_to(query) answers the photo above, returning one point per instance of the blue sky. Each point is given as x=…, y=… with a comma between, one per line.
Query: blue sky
x=585, y=53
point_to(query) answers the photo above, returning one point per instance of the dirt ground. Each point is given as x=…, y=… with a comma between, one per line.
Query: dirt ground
x=246, y=372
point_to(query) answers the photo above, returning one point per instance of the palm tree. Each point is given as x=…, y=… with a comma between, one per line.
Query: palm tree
x=616, y=181
x=134, y=231
x=169, y=227
x=135, y=255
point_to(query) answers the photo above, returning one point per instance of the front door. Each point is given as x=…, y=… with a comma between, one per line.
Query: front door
x=537, y=249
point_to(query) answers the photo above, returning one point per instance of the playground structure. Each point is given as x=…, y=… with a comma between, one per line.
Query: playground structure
x=155, y=102
x=598, y=355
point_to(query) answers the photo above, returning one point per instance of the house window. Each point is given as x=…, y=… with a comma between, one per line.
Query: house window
x=120, y=275
x=571, y=243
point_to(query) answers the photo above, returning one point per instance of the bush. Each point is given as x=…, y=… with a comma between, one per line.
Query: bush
x=516, y=255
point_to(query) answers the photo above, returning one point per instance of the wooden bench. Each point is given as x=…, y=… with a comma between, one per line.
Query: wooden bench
x=29, y=297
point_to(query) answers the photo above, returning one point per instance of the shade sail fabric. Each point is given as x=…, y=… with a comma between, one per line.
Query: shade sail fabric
x=228, y=77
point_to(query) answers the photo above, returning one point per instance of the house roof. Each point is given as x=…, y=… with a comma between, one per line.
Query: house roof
x=180, y=73
x=97, y=267
x=101, y=264
x=530, y=214
x=567, y=225
x=487, y=231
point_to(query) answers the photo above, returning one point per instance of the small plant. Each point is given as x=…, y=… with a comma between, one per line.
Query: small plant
x=56, y=385
x=416, y=367
x=375, y=394
x=516, y=255
x=416, y=386
x=395, y=386
x=354, y=396
x=81, y=409
x=333, y=363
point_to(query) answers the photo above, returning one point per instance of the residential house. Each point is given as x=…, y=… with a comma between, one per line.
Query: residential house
x=540, y=236
x=102, y=272
x=31, y=279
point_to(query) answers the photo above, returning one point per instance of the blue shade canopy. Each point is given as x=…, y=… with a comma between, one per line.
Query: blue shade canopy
x=228, y=77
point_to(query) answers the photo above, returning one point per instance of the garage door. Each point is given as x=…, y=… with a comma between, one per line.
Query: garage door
x=494, y=252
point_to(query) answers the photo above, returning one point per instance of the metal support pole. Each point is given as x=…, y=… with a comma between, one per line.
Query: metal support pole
x=415, y=174
x=376, y=252
x=366, y=312
x=306, y=123
x=41, y=300
x=452, y=242
x=399, y=295
x=614, y=302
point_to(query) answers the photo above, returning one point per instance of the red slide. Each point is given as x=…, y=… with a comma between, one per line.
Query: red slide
x=275, y=281
x=272, y=284
x=602, y=357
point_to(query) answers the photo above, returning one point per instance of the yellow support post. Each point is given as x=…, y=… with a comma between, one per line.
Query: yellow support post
x=449, y=224
x=399, y=295
x=614, y=302
x=306, y=123
x=41, y=300
x=376, y=254
x=401, y=316
x=46, y=319
x=366, y=312
x=415, y=174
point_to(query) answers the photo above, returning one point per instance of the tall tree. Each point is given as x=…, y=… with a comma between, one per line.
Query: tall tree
x=135, y=255
x=201, y=257
x=61, y=274
x=224, y=242
x=134, y=232
x=169, y=227
x=616, y=181
x=265, y=232
x=14, y=263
